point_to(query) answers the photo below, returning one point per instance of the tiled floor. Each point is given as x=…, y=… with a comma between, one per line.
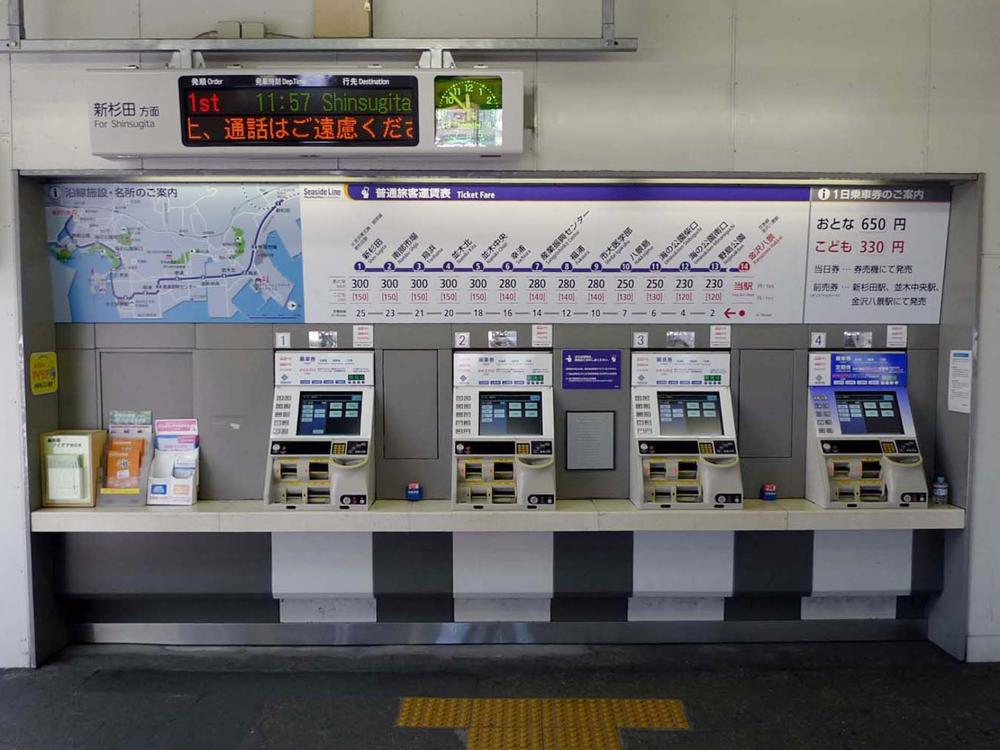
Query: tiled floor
x=816, y=696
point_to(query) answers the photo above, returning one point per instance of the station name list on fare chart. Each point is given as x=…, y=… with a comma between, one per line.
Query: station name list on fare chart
x=618, y=253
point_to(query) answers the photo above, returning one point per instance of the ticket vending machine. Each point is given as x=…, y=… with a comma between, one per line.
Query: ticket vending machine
x=319, y=454
x=503, y=431
x=863, y=449
x=683, y=451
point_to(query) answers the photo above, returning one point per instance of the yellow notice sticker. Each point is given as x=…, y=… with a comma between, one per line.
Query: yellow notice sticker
x=44, y=373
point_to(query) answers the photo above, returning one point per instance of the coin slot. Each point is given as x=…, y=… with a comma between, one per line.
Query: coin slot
x=687, y=469
x=871, y=469
x=503, y=470
x=319, y=470
x=687, y=493
x=504, y=495
x=318, y=495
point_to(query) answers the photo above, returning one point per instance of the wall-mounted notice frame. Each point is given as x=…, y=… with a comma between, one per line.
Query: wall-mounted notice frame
x=499, y=253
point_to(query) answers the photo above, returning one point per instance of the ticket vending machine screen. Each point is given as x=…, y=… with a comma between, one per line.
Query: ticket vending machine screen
x=689, y=413
x=868, y=413
x=330, y=413
x=510, y=413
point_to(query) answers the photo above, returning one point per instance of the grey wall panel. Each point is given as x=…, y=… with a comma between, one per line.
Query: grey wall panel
x=922, y=387
x=75, y=336
x=78, y=389
x=760, y=466
x=927, y=572
x=433, y=473
x=38, y=331
x=763, y=608
x=593, y=484
x=36, y=288
x=233, y=336
x=412, y=565
x=950, y=613
x=768, y=336
x=590, y=609
x=410, y=404
x=592, y=564
x=232, y=400
x=113, y=564
x=145, y=336
x=212, y=608
x=773, y=563
x=922, y=336
x=51, y=628
x=591, y=337
x=788, y=473
x=766, y=413
x=161, y=381
x=414, y=336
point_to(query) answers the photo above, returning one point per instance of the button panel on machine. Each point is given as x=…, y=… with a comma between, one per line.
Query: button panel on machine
x=541, y=447
x=725, y=447
x=824, y=419
x=463, y=413
x=644, y=414
x=282, y=420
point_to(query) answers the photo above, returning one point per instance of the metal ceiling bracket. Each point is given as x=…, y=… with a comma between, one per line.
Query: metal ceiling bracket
x=15, y=23
x=436, y=58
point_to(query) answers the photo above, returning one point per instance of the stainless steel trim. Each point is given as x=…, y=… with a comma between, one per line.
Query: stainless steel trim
x=540, y=176
x=437, y=47
x=608, y=20
x=383, y=634
x=15, y=23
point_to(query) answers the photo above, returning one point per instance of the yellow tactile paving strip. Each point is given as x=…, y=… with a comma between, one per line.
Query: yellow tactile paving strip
x=543, y=723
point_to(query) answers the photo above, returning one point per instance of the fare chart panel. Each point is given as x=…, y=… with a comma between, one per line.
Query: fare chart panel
x=571, y=253
x=505, y=252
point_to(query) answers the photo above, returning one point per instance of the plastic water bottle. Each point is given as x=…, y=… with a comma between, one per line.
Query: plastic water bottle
x=940, y=490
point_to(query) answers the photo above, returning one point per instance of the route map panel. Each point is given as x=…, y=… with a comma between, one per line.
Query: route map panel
x=175, y=252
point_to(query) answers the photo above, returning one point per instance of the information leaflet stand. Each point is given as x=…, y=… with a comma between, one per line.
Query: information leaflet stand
x=503, y=430
x=863, y=448
x=320, y=449
x=683, y=447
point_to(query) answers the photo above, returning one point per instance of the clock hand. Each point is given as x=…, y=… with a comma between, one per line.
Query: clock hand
x=457, y=100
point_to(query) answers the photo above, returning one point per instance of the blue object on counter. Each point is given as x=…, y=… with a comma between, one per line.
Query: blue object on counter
x=414, y=491
x=769, y=491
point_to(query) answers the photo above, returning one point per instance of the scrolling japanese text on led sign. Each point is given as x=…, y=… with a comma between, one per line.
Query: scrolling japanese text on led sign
x=313, y=110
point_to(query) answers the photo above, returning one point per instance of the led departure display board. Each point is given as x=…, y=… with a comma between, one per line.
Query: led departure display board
x=358, y=109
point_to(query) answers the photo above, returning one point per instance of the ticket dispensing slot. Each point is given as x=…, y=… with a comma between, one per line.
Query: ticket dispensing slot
x=503, y=431
x=683, y=447
x=863, y=447
x=321, y=430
